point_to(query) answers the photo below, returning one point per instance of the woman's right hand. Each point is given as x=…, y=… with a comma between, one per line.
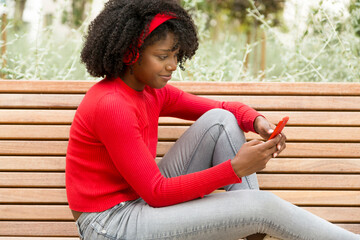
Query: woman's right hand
x=253, y=156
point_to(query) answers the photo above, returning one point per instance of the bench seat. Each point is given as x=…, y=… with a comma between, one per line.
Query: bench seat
x=318, y=171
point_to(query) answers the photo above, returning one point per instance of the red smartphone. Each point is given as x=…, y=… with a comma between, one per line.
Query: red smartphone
x=279, y=127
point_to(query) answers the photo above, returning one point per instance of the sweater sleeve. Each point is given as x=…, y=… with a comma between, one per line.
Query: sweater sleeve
x=116, y=126
x=184, y=105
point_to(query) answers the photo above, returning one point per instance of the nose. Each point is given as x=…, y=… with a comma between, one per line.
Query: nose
x=172, y=65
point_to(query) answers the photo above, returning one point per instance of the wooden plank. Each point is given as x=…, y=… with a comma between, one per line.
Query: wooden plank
x=278, y=165
x=298, y=197
x=310, y=165
x=39, y=238
x=45, y=86
x=33, y=147
x=56, y=101
x=300, y=118
x=313, y=118
x=309, y=181
x=56, y=132
x=320, y=198
x=35, y=212
x=306, y=150
x=38, y=228
x=26, y=116
x=313, y=165
x=33, y=195
x=337, y=214
x=289, y=103
x=81, y=86
x=355, y=228
x=55, y=213
x=274, y=88
x=25, y=179
x=53, y=229
x=16, y=163
x=306, y=134
x=316, y=134
x=266, y=181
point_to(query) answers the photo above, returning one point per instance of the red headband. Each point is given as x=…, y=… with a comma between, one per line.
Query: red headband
x=155, y=22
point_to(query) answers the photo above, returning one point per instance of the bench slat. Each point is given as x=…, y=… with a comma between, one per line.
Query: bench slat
x=38, y=228
x=39, y=238
x=30, y=179
x=33, y=195
x=26, y=116
x=320, y=198
x=300, y=118
x=299, y=197
x=306, y=134
x=49, y=212
x=71, y=101
x=51, y=229
x=266, y=181
x=340, y=150
x=313, y=165
x=300, y=88
x=309, y=181
x=16, y=163
x=283, y=165
x=51, y=148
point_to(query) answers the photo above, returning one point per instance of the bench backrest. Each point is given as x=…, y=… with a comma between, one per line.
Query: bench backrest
x=319, y=170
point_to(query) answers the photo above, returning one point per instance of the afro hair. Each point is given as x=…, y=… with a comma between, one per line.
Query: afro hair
x=121, y=23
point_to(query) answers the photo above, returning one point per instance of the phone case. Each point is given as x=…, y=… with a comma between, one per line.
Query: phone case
x=279, y=127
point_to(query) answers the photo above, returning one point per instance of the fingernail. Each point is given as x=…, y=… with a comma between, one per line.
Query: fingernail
x=275, y=155
x=278, y=147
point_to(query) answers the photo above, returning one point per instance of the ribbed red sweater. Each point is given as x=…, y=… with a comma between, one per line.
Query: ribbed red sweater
x=112, y=147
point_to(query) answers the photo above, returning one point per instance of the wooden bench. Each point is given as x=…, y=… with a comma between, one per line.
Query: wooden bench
x=319, y=170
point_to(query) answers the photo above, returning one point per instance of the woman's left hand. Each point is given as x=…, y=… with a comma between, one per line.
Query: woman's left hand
x=264, y=128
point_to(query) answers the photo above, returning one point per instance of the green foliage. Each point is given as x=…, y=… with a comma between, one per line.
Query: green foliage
x=327, y=50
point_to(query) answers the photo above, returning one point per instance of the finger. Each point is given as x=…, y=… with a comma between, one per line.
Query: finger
x=272, y=142
x=254, y=142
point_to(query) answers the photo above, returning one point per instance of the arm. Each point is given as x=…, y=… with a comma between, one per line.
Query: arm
x=183, y=105
x=117, y=128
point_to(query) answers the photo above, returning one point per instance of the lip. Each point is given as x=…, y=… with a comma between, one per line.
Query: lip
x=166, y=77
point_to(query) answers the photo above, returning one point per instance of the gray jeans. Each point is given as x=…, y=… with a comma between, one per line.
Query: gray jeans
x=239, y=212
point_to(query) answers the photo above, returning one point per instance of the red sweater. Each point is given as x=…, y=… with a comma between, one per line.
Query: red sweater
x=112, y=147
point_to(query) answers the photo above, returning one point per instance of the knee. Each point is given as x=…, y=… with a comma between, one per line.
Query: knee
x=220, y=115
x=268, y=202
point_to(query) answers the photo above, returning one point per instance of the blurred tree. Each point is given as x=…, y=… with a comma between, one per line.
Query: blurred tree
x=3, y=36
x=18, y=14
x=354, y=9
x=78, y=10
x=270, y=10
x=77, y=14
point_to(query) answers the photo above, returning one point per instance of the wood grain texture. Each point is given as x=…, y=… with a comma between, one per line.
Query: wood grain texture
x=38, y=228
x=253, y=88
x=300, y=103
x=298, y=197
x=266, y=181
x=49, y=212
x=319, y=170
x=38, y=163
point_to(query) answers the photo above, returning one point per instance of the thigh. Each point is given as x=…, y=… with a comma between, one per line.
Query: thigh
x=234, y=215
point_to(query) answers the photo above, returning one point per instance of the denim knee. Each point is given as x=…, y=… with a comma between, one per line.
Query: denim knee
x=220, y=116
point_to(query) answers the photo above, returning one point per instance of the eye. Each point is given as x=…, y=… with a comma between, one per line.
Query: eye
x=162, y=57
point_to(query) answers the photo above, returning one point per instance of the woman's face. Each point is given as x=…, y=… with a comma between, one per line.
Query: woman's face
x=158, y=62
